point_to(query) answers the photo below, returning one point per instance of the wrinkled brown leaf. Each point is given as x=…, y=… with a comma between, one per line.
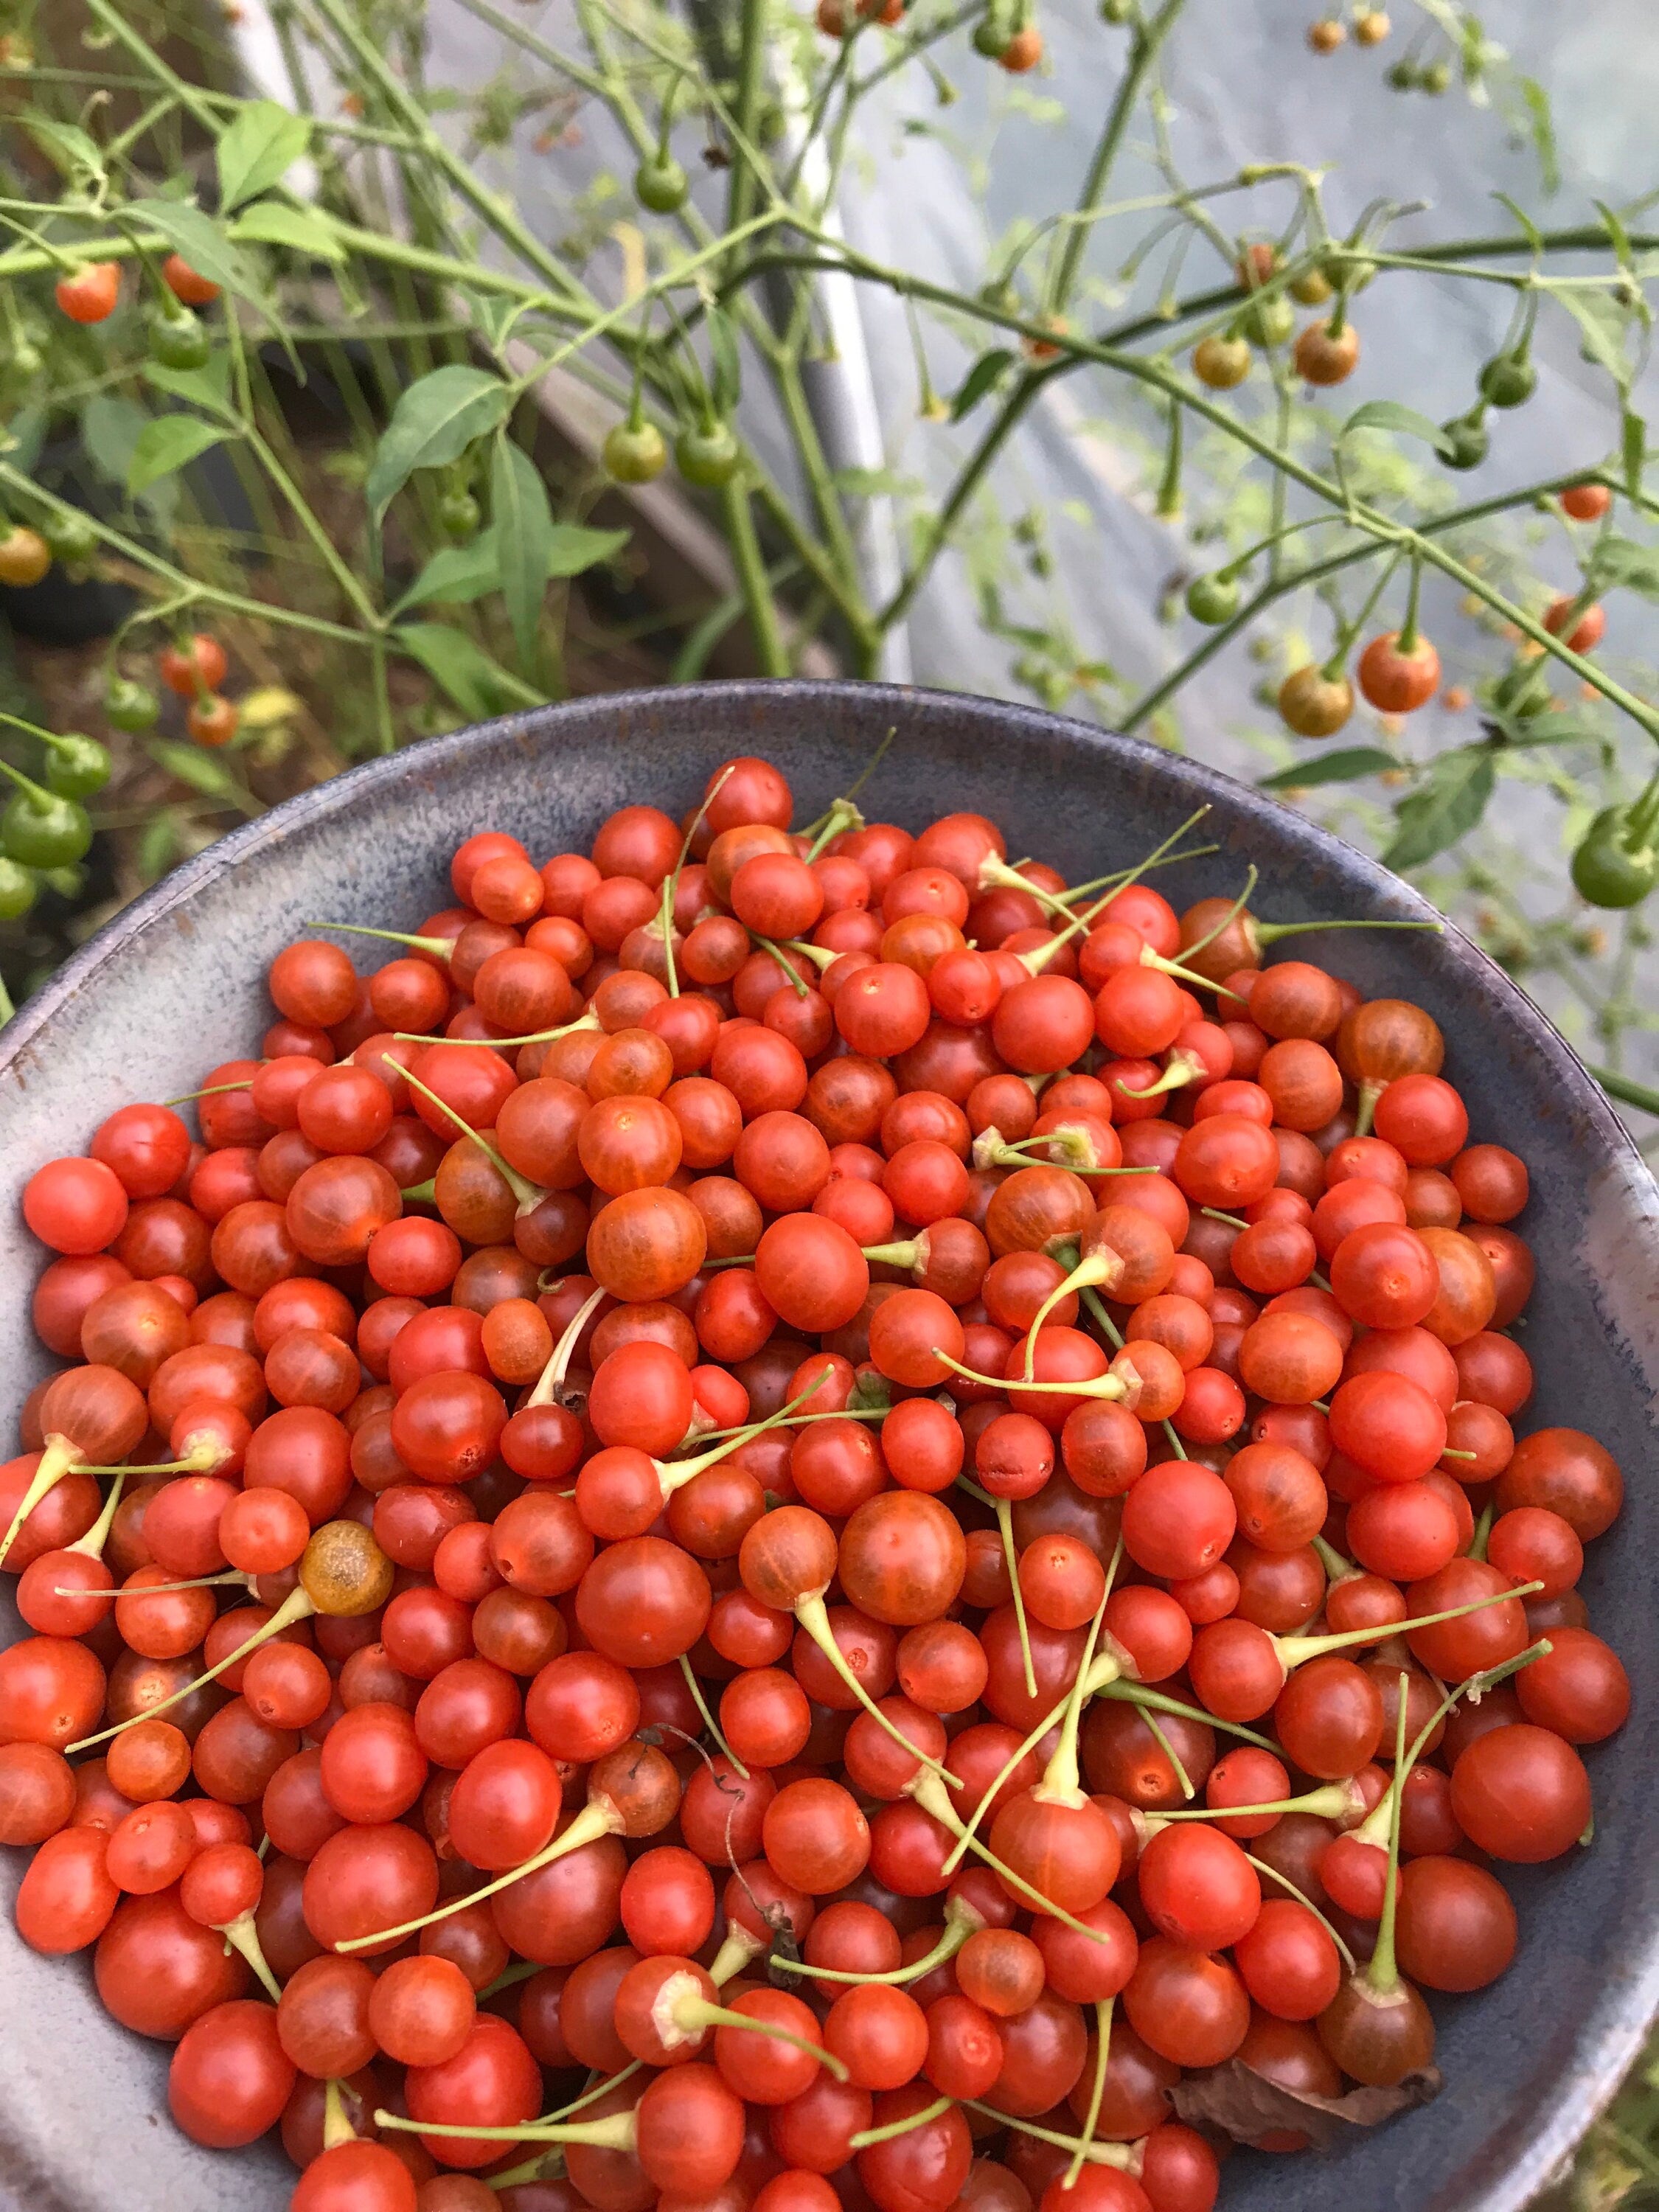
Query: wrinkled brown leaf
x=1247, y=2107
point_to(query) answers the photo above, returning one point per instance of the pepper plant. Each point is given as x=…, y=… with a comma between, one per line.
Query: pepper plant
x=185, y=254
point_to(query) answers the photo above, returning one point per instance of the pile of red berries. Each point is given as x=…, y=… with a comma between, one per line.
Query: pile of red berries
x=957, y=1621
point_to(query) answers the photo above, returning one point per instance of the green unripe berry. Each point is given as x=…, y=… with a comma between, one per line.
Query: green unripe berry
x=131, y=707
x=1507, y=380
x=458, y=516
x=18, y=891
x=1269, y=322
x=1213, y=599
x=177, y=341
x=1468, y=443
x=1617, y=863
x=708, y=457
x=633, y=452
x=72, y=536
x=662, y=186
x=76, y=766
x=991, y=37
x=1437, y=78
x=42, y=830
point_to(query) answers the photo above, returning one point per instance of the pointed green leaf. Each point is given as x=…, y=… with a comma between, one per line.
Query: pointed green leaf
x=1617, y=233
x=1602, y=326
x=1389, y=415
x=1633, y=444
x=466, y=674
x=728, y=368
x=202, y=771
x=271, y=222
x=433, y=422
x=202, y=243
x=1541, y=124
x=69, y=149
x=572, y=548
x=524, y=529
x=1620, y=562
x=1534, y=237
x=985, y=372
x=259, y=148
x=26, y=438
x=157, y=846
x=167, y=445
x=1345, y=766
x=1445, y=806
x=111, y=426
x=456, y=574
x=207, y=388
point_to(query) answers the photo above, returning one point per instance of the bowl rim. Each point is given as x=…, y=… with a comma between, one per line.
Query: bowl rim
x=1555, y=2123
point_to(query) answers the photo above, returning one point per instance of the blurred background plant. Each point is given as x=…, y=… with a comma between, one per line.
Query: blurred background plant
x=289, y=370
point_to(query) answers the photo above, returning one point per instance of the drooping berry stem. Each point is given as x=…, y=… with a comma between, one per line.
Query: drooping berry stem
x=1097, y=2090
x=437, y=948
x=961, y=1921
x=298, y=1604
x=529, y=1195
x=55, y=1463
x=1263, y=1866
x=866, y=2136
x=1126, y=2157
x=694, y=1688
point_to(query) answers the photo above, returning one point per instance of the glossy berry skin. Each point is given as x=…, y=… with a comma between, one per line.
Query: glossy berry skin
x=627, y=1476
x=89, y=296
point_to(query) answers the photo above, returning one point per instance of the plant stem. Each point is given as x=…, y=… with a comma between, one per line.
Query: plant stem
x=752, y=579
x=1147, y=40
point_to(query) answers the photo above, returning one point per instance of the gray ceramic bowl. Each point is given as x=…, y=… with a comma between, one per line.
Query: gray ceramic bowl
x=175, y=985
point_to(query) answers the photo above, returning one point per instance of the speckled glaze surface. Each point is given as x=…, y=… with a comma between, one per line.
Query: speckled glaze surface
x=175, y=984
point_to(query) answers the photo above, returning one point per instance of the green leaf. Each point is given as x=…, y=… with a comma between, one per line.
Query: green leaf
x=985, y=372
x=202, y=771
x=1345, y=766
x=207, y=388
x=1601, y=325
x=524, y=527
x=872, y=483
x=271, y=222
x=202, y=243
x=1389, y=415
x=26, y=438
x=1620, y=562
x=703, y=636
x=259, y=148
x=1446, y=805
x=456, y=574
x=1534, y=237
x=167, y=445
x=435, y=420
x=476, y=683
x=728, y=368
x=572, y=548
x=1533, y=731
x=70, y=148
x=110, y=428
x=1617, y=233
x=1541, y=124
x=1634, y=440
x=156, y=846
